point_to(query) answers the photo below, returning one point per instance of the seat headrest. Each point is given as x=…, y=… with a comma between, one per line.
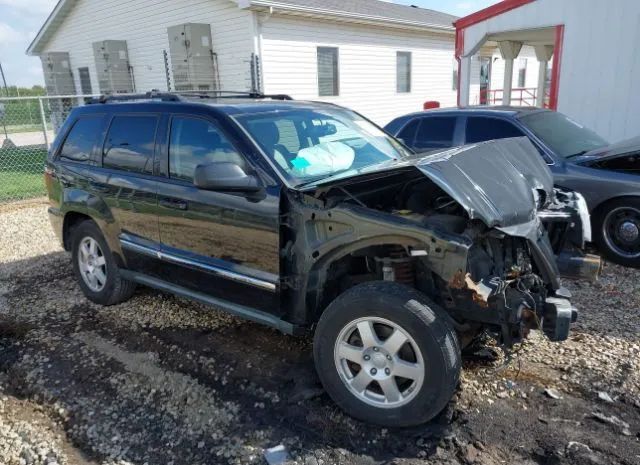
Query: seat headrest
x=266, y=133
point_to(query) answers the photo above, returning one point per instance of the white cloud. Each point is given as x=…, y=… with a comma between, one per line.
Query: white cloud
x=9, y=35
x=469, y=6
x=37, y=6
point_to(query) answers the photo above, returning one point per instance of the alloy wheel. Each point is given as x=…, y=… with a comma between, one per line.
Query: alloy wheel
x=379, y=362
x=92, y=263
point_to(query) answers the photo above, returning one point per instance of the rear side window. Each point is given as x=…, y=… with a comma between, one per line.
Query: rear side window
x=483, y=129
x=130, y=143
x=197, y=142
x=435, y=133
x=81, y=139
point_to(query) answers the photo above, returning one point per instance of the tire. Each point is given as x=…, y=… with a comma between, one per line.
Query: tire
x=607, y=226
x=113, y=289
x=422, y=323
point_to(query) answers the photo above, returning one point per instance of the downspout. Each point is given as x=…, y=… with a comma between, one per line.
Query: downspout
x=257, y=22
x=459, y=49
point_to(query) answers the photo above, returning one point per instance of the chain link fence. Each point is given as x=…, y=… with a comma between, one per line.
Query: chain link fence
x=28, y=126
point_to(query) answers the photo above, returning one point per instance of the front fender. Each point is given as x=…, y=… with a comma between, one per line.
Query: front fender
x=325, y=235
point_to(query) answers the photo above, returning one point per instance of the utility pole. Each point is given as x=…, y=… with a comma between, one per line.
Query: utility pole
x=6, y=89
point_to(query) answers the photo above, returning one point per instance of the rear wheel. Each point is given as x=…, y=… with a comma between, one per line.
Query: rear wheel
x=95, y=268
x=617, y=231
x=387, y=355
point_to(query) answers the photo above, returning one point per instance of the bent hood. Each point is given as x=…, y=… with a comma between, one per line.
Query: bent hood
x=623, y=148
x=494, y=181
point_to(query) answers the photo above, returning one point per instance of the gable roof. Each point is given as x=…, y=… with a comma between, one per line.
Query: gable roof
x=383, y=11
x=375, y=11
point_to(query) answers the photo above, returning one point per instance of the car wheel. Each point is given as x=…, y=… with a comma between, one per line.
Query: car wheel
x=617, y=231
x=387, y=355
x=95, y=268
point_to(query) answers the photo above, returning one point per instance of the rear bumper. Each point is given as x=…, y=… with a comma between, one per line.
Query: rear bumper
x=57, y=222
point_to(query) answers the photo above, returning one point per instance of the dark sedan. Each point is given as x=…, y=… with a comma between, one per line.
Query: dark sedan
x=607, y=175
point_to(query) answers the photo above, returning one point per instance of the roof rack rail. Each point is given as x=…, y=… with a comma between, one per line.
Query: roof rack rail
x=152, y=95
x=233, y=94
x=178, y=96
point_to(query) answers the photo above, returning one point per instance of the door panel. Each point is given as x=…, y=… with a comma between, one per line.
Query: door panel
x=226, y=245
x=127, y=185
x=222, y=243
x=132, y=202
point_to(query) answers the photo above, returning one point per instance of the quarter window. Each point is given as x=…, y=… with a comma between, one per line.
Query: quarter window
x=408, y=134
x=195, y=142
x=403, y=72
x=483, y=129
x=81, y=139
x=130, y=143
x=435, y=133
x=328, y=73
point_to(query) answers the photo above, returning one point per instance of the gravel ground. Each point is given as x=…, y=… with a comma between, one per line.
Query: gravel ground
x=160, y=380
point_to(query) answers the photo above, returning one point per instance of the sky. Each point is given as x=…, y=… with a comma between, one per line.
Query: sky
x=20, y=21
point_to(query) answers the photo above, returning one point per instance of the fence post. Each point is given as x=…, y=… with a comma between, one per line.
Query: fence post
x=44, y=123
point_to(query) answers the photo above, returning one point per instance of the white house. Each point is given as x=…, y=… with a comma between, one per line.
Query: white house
x=379, y=58
x=585, y=54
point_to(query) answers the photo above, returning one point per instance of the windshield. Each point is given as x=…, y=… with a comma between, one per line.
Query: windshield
x=310, y=144
x=563, y=135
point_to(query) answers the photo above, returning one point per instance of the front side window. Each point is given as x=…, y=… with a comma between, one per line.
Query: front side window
x=403, y=72
x=196, y=142
x=130, y=143
x=481, y=129
x=561, y=134
x=81, y=139
x=328, y=72
x=326, y=142
x=435, y=133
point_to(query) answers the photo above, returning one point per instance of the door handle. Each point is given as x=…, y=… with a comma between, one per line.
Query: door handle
x=98, y=186
x=174, y=204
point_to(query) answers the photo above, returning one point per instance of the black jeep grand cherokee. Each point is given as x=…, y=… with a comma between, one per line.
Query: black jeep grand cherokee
x=306, y=216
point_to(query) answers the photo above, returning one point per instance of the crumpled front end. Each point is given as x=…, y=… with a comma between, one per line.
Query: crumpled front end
x=511, y=284
x=464, y=226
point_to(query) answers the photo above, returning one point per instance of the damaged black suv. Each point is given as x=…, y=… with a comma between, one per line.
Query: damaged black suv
x=309, y=218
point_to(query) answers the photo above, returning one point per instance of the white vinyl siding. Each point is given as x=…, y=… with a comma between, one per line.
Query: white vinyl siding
x=600, y=59
x=367, y=64
x=143, y=24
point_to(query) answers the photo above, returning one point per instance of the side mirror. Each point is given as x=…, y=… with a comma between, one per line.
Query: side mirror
x=225, y=176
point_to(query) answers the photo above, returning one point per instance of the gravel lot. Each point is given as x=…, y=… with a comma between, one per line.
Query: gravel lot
x=160, y=380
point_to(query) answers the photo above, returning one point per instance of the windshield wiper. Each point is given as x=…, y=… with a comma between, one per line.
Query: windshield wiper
x=576, y=154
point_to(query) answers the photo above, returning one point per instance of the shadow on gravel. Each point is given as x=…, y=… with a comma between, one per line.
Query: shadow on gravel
x=162, y=380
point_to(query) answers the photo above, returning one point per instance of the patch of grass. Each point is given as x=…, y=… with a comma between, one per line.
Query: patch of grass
x=21, y=173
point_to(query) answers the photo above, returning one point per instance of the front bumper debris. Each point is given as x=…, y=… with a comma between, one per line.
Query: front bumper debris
x=578, y=266
x=557, y=319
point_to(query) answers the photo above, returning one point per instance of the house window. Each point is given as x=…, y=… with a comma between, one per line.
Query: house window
x=522, y=72
x=85, y=81
x=328, y=75
x=403, y=72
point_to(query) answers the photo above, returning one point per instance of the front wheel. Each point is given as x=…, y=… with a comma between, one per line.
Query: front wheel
x=387, y=355
x=617, y=231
